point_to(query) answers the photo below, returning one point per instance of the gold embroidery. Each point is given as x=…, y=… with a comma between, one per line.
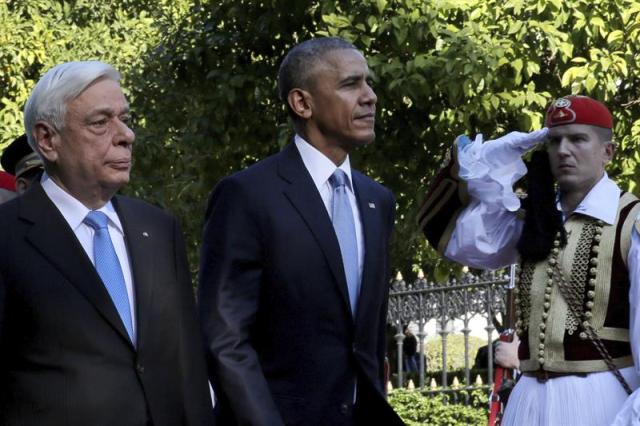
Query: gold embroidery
x=585, y=262
x=523, y=297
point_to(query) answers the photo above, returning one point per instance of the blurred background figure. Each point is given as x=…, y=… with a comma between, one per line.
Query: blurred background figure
x=19, y=160
x=410, y=351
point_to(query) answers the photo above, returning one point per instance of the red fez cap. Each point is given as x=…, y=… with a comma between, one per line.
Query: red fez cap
x=574, y=109
x=7, y=181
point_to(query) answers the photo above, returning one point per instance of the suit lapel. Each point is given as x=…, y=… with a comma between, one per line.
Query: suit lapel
x=51, y=236
x=302, y=193
x=139, y=239
x=369, y=213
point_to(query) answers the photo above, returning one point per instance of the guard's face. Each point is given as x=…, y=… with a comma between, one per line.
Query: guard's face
x=577, y=156
x=343, y=104
x=95, y=146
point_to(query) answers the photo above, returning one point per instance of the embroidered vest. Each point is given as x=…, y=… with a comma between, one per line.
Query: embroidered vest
x=593, y=264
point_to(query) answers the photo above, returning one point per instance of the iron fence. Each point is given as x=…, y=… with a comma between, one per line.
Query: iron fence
x=461, y=299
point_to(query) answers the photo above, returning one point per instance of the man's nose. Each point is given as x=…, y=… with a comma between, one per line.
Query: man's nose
x=563, y=147
x=369, y=96
x=124, y=134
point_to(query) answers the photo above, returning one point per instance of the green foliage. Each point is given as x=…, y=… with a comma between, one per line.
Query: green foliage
x=201, y=79
x=416, y=409
x=38, y=34
x=455, y=352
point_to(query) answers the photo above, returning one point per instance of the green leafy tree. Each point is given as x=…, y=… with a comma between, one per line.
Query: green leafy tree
x=201, y=78
x=38, y=34
x=441, y=69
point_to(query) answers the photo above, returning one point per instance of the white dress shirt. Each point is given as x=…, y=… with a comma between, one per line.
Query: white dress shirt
x=74, y=213
x=321, y=168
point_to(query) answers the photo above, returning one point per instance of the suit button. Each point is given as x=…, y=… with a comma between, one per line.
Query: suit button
x=344, y=408
x=140, y=368
x=354, y=348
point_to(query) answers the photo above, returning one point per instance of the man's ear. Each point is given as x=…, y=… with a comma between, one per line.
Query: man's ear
x=300, y=103
x=22, y=185
x=46, y=138
x=609, y=150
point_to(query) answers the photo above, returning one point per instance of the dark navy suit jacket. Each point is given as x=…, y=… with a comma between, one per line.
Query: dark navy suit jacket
x=283, y=344
x=65, y=356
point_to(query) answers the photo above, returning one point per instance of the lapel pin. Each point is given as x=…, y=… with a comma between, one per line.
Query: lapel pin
x=372, y=205
x=145, y=234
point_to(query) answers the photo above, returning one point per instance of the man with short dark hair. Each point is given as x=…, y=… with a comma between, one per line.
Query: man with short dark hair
x=294, y=275
x=97, y=318
x=577, y=245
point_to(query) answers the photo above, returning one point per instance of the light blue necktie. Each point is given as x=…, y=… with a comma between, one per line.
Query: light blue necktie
x=344, y=225
x=108, y=267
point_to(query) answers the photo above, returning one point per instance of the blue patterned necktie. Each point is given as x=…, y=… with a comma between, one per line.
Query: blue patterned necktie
x=344, y=225
x=108, y=267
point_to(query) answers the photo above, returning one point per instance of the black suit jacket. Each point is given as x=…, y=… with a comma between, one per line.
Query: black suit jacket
x=283, y=345
x=65, y=357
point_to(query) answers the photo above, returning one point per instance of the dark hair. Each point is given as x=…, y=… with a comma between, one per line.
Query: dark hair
x=299, y=64
x=543, y=220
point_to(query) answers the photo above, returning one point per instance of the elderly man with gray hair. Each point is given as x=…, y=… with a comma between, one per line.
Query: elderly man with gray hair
x=97, y=317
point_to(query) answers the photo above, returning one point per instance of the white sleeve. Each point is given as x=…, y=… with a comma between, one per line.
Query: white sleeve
x=633, y=264
x=484, y=239
x=487, y=231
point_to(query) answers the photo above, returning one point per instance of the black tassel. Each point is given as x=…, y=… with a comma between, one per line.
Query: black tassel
x=543, y=221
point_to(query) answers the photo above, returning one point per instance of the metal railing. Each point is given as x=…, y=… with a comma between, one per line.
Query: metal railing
x=459, y=299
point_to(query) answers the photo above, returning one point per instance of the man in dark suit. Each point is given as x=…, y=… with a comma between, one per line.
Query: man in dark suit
x=294, y=268
x=97, y=318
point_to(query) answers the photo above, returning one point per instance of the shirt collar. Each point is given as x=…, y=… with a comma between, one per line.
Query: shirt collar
x=601, y=202
x=320, y=167
x=73, y=210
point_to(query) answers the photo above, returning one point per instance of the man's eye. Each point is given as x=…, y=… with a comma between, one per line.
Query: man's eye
x=101, y=122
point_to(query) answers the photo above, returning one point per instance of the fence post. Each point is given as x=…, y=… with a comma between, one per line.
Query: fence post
x=421, y=284
x=443, y=333
x=465, y=331
x=399, y=338
x=490, y=328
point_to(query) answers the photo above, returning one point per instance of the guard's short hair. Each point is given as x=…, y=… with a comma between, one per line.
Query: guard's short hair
x=59, y=85
x=299, y=64
x=605, y=135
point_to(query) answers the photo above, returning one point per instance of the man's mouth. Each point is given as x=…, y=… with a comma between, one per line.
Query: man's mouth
x=123, y=164
x=367, y=117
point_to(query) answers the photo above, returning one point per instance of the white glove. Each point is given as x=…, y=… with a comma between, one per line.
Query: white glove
x=491, y=168
x=511, y=146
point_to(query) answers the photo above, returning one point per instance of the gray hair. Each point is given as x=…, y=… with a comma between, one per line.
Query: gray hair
x=299, y=64
x=59, y=85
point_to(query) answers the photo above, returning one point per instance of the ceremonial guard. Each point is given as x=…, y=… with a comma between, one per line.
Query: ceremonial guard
x=576, y=239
